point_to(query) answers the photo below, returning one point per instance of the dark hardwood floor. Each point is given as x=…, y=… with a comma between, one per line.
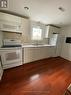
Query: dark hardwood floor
x=45, y=77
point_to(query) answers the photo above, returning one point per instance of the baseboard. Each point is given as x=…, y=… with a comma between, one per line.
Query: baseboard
x=41, y=59
x=65, y=58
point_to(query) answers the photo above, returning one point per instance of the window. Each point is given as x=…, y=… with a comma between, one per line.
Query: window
x=36, y=34
x=3, y=3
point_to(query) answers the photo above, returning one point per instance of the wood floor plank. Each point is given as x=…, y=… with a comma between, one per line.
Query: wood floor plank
x=44, y=77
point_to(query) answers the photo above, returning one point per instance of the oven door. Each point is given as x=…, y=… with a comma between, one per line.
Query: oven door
x=12, y=58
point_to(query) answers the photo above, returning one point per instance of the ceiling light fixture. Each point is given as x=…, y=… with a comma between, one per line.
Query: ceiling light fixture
x=61, y=9
x=26, y=8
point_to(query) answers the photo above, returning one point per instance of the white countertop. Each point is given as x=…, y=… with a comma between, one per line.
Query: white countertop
x=42, y=45
x=28, y=46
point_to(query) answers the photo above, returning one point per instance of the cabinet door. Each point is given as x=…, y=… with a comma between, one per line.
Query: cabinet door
x=54, y=29
x=11, y=27
x=9, y=17
x=28, y=55
x=46, y=31
x=10, y=23
x=50, y=30
x=23, y=55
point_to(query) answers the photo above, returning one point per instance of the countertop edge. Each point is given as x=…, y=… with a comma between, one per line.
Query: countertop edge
x=28, y=46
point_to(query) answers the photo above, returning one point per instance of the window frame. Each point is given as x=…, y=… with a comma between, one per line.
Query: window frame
x=37, y=38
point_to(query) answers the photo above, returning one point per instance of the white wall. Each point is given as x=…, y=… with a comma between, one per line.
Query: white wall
x=26, y=30
x=66, y=47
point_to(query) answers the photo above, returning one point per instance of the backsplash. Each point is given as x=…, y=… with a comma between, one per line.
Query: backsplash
x=11, y=35
x=25, y=39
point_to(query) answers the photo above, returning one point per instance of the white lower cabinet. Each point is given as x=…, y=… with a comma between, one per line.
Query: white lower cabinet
x=31, y=54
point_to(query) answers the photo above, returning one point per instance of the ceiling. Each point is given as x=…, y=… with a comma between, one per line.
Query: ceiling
x=45, y=11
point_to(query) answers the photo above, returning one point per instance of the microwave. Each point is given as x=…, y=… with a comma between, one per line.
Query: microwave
x=68, y=40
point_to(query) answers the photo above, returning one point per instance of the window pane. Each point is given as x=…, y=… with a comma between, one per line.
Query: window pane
x=36, y=34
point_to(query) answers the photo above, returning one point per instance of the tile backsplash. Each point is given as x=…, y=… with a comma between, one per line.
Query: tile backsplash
x=11, y=35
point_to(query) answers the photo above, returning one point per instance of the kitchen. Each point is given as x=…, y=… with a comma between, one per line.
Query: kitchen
x=27, y=48
x=24, y=42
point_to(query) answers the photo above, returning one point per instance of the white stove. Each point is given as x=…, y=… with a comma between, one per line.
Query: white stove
x=11, y=54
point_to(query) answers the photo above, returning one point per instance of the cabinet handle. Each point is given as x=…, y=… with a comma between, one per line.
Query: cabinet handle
x=55, y=33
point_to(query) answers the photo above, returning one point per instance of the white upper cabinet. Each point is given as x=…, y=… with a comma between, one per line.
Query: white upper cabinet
x=9, y=17
x=50, y=30
x=10, y=23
